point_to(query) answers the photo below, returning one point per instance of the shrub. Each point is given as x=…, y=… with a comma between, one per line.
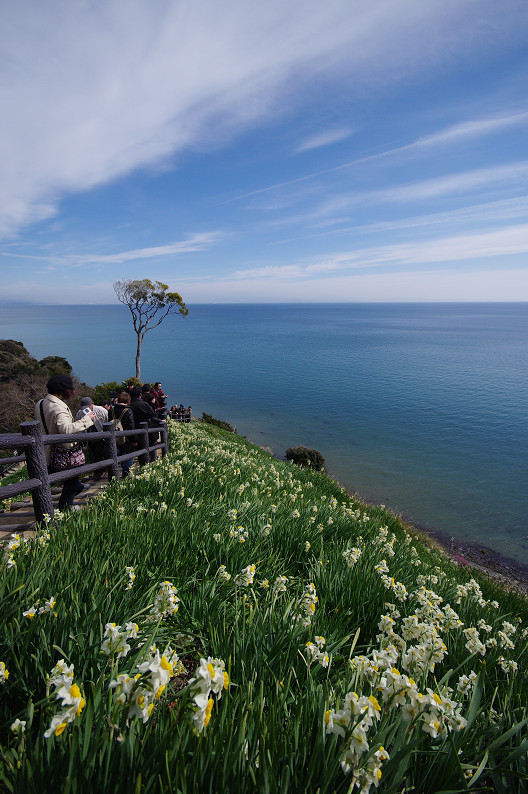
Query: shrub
x=306, y=457
x=210, y=420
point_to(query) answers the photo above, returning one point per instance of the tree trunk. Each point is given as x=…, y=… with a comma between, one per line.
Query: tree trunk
x=138, y=354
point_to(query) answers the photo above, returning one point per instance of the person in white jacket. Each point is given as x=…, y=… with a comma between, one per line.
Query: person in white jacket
x=56, y=417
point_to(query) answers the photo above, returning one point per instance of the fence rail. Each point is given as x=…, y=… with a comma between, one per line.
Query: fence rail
x=33, y=442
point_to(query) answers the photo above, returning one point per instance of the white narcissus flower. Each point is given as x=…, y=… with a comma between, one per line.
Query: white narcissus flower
x=245, y=577
x=166, y=601
x=279, y=585
x=129, y=570
x=223, y=574
x=161, y=672
x=4, y=673
x=210, y=677
x=18, y=726
x=141, y=691
x=69, y=694
x=48, y=606
x=202, y=716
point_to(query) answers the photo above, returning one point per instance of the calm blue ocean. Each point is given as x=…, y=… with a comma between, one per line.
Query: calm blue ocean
x=421, y=407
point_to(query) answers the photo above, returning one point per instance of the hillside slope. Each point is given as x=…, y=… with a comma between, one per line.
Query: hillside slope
x=337, y=650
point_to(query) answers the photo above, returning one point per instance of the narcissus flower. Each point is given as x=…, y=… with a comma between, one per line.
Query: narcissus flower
x=70, y=695
x=209, y=678
x=166, y=601
x=18, y=726
x=245, y=577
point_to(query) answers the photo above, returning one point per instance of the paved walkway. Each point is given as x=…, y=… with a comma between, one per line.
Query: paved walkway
x=21, y=518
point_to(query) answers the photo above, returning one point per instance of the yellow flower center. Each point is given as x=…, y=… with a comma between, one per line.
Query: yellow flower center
x=166, y=665
x=226, y=680
x=211, y=670
x=75, y=692
x=159, y=692
x=60, y=728
x=80, y=707
x=375, y=703
x=208, y=710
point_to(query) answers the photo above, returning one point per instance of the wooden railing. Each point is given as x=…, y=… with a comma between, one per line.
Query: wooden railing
x=33, y=442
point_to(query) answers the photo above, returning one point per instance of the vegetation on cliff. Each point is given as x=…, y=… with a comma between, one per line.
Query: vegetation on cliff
x=23, y=381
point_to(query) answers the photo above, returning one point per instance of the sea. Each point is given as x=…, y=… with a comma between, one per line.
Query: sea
x=419, y=407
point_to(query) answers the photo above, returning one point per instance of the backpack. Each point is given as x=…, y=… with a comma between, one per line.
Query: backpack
x=118, y=424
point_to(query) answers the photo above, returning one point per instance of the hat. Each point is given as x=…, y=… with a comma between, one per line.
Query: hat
x=86, y=401
x=59, y=383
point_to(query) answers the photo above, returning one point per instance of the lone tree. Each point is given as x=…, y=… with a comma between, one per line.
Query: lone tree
x=149, y=304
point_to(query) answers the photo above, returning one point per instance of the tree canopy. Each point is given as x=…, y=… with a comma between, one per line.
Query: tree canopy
x=149, y=303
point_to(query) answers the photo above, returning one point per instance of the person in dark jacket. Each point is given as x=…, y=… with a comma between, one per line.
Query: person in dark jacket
x=142, y=410
x=160, y=396
x=121, y=412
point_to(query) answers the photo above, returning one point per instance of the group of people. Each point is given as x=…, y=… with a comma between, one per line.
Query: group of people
x=126, y=410
x=181, y=414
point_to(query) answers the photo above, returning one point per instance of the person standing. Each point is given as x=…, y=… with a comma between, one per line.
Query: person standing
x=56, y=418
x=160, y=395
x=96, y=447
x=142, y=410
x=122, y=413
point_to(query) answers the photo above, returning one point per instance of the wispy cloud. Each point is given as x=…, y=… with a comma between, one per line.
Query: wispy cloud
x=508, y=241
x=467, y=130
x=461, y=182
x=336, y=208
x=490, y=212
x=444, y=283
x=195, y=242
x=92, y=91
x=324, y=139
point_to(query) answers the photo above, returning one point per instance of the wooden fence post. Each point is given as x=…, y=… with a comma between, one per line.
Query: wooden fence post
x=110, y=450
x=143, y=444
x=38, y=469
x=164, y=440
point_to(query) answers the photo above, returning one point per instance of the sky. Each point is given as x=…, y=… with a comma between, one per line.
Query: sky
x=286, y=151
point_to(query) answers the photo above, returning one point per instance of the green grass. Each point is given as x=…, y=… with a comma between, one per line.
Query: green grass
x=270, y=729
x=15, y=476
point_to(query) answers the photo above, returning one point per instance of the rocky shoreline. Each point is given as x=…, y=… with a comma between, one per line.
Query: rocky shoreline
x=511, y=573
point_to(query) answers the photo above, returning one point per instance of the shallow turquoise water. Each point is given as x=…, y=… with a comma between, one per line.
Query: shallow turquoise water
x=421, y=407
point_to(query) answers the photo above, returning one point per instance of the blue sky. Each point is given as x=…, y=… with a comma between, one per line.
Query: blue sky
x=291, y=150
